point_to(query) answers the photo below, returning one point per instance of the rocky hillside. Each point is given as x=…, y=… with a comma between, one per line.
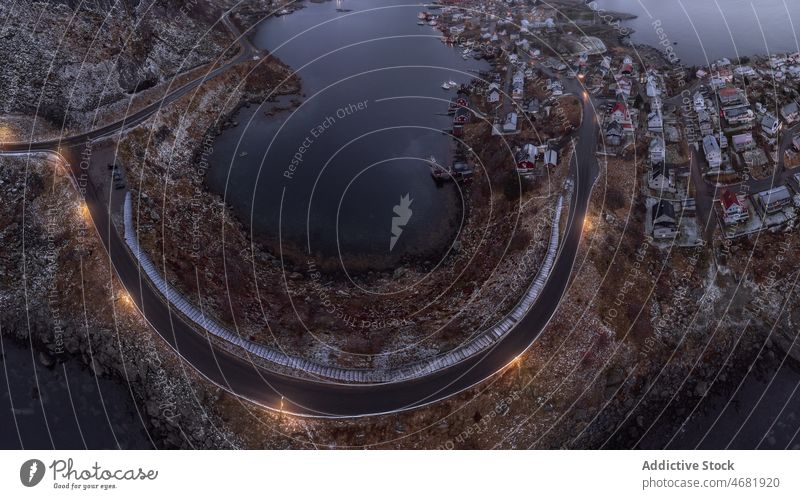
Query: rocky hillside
x=65, y=61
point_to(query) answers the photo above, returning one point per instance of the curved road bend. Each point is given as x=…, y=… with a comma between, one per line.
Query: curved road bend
x=320, y=398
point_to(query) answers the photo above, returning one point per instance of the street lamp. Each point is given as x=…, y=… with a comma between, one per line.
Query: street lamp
x=85, y=210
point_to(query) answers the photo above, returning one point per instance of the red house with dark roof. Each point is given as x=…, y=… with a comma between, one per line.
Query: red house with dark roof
x=733, y=209
x=621, y=115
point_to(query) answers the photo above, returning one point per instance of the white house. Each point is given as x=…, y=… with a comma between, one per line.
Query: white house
x=656, y=104
x=652, y=86
x=660, y=179
x=745, y=72
x=555, y=87
x=655, y=122
x=518, y=91
x=770, y=125
x=790, y=113
x=743, y=142
x=774, y=200
x=511, y=123
x=456, y=30
x=712, y=151
x=699, y=102
x=526, y=159
x=658, y=153
x=614, y=133
x=493, y=95
x=550, y=158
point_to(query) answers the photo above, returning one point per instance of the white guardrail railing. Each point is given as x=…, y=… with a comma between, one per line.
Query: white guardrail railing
x=488, y=338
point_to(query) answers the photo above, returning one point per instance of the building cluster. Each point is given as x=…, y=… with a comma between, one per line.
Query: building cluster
x=520, y=95
x=746, y=117
x=736, y=124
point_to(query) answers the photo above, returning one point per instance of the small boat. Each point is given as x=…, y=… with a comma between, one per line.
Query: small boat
x=432, y=23
x=452, y=84
x=243, y=154
x=446, y=86
x=438, y=172
x=420, y=23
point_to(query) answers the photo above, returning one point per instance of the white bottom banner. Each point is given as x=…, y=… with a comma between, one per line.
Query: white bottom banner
x=370, y=474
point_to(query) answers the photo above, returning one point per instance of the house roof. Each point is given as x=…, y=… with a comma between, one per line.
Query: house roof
x=729, y=199
x=768, y=120
x=659, y=169
x=710, y=144
x=775, y=195
x=527, y=153
x=663, y=208
x=614, y=128
x=655, y=115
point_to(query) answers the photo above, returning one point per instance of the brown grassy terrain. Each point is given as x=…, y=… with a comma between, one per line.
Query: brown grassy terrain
x=206, y=249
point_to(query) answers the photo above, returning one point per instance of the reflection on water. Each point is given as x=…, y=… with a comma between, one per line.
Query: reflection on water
x=331, y=171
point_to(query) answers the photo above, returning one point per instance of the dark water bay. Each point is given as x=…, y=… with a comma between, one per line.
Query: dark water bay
x=329, y=172
x=707, y=30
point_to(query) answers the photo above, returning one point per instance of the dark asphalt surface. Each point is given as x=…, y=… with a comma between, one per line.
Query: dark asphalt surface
x=320, y=398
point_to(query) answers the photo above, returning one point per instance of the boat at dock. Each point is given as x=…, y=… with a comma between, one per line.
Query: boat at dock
x=438, y=172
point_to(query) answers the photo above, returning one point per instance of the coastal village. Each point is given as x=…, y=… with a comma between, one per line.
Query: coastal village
x=712, y=153
x=717, y=147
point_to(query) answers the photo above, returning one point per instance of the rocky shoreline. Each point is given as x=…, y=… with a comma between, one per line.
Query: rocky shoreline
x=270, y=289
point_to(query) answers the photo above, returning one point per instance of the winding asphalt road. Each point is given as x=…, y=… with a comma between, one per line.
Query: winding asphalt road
x=319, y=398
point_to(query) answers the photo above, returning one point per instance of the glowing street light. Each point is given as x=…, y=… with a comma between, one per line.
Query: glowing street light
x=124, y=298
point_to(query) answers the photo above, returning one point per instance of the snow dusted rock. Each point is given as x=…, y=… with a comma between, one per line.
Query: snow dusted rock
x=64, y=60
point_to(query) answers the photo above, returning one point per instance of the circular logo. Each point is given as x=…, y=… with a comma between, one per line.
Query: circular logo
x=31, y=472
